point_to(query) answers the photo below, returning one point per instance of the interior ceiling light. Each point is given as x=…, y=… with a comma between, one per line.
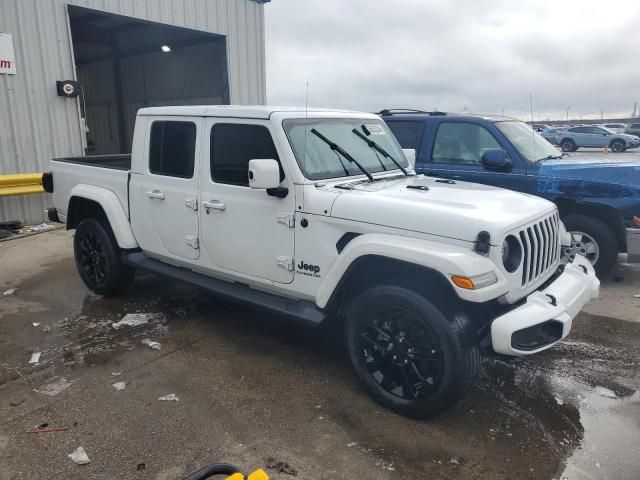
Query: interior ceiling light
x=166, y=48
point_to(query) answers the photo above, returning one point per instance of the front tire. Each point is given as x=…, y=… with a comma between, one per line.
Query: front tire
x=618, y=146
x=413, y=352
x=97, y=258
x=593, y=239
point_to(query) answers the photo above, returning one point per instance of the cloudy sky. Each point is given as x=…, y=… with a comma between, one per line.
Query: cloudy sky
x=485, y=55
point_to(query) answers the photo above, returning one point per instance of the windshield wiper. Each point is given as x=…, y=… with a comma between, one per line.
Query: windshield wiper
x=379, y=149
x=337, y=148
x=553, y=157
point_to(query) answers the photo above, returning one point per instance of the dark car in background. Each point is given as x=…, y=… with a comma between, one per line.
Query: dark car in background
x=599, y=202
x=633, y=129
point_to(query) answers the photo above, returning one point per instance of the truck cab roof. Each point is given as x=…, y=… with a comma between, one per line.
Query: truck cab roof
x=236, y=111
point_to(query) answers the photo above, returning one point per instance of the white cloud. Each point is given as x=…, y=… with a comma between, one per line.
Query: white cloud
x=485, y=55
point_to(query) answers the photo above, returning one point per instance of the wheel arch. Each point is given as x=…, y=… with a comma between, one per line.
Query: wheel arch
x=605, y=213
x=618, y=139
x=87, y=201
x=372, y=269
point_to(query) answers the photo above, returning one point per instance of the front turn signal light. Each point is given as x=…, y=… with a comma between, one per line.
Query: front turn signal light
x=636, y=221
x=476, y=282
x=463, y=282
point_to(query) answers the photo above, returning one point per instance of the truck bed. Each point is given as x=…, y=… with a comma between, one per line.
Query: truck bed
x=117, y=162
x=110, y=172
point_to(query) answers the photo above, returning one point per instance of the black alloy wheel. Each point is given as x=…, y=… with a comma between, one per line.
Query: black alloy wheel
x=98, y=258
x=415, y=352
x=400, y=353
x=92, y=258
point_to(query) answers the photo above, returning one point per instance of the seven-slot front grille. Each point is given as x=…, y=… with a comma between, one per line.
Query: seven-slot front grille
x=540, y=248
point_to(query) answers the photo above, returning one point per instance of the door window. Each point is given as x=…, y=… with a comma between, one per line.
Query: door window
x=172, y=148
x=233, y=145
x=580, y=130
x=409, y=134
x=462, y=143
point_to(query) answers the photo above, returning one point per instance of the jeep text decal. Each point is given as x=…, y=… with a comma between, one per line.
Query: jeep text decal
x=307, y=269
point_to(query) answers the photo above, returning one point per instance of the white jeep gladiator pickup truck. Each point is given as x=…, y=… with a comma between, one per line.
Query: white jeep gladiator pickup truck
x=317, y=214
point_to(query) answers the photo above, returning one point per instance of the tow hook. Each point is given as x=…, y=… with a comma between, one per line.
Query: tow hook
x=554, y=302
x=584, y=269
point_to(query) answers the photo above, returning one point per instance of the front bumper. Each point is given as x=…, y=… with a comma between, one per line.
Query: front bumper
x=633, y=245
x=547, y=315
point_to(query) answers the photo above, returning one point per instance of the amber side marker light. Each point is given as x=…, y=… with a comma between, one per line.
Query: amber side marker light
x=463, y=282
x=636, y=221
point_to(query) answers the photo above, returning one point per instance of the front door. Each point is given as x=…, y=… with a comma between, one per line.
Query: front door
x=457, y=154
x=244, y=230
x=170, y=186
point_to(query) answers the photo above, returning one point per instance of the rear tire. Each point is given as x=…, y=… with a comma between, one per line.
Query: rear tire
x=585, y=230
x=97, y=258
x=568, y=145
x=413, y=352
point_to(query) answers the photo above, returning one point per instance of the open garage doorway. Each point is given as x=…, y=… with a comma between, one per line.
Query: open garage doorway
x=124, y=64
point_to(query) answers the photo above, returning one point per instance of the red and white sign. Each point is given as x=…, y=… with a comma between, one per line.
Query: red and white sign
x=7, y=55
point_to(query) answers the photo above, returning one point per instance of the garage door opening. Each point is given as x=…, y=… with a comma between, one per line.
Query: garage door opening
x=124, y=64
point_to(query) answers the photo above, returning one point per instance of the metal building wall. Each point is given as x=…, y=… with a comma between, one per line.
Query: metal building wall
x=36, y=125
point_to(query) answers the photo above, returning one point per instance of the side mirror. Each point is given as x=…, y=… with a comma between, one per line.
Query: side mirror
x=410, y=154
x=264, y=174
x=496, y=160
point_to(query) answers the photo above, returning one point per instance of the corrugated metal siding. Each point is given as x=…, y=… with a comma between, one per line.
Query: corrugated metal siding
x=36, y=125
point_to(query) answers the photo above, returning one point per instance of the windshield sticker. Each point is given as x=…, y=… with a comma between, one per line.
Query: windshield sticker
x=376, y=129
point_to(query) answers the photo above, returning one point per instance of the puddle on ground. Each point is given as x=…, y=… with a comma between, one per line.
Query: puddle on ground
x=85, y=335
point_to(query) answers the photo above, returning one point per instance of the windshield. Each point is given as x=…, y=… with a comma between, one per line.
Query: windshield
x=316, y=159
x=529, y=143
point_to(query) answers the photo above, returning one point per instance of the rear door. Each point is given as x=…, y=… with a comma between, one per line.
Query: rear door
x=582, y=136
x=170, y=186
x=245, y=230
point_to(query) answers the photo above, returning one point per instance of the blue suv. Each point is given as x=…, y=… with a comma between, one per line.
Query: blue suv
x=599, y=202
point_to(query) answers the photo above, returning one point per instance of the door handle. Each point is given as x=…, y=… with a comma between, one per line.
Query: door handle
x=157, y=194
x=214, y=205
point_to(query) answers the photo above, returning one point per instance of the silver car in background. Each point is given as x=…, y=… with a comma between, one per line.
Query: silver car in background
x=615, y=127
x=551, y=133
x=594, y=136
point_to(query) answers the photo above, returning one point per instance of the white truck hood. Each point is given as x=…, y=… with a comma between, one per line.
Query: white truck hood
x=458, y=210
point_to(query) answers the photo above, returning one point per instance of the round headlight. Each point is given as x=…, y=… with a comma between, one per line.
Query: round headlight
x=511, y=253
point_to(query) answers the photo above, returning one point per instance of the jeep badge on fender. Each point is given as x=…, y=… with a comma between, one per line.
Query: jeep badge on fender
x=312, y=269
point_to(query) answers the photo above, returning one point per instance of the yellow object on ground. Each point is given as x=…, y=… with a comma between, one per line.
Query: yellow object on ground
x=259, y=474
x=21, y=184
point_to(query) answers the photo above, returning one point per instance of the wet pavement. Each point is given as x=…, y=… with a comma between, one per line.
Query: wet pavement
x=255, y=390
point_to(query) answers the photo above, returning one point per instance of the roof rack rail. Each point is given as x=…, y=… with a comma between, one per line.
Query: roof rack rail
x=396, y=111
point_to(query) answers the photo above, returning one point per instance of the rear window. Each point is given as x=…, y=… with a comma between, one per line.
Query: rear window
x=172, y=148
x=408, y=134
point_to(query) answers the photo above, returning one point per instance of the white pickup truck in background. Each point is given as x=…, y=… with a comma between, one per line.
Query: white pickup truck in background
x=318, y=213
